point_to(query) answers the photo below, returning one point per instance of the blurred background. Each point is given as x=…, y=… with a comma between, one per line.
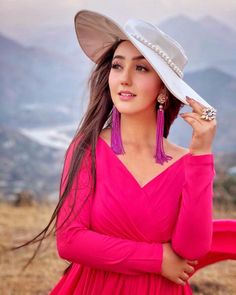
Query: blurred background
x=43, y=95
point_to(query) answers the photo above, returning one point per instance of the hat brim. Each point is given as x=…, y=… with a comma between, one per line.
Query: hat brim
x=96, y=33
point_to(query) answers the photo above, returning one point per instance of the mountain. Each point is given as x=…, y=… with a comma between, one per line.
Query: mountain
x=219, y=29
x=206, y=41
x=27, y=165
x=38, y=86
x=60, y=39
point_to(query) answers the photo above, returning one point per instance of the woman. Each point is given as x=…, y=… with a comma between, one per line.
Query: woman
x=135, y=210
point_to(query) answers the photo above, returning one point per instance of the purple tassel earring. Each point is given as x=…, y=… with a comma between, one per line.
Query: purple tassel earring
x=160, y=155
x=116, y=141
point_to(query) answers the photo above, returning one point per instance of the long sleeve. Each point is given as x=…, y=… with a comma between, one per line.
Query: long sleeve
x=79, y=244
x=192, y=236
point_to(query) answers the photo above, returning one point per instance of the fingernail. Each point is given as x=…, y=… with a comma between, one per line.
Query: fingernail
x=189, y=99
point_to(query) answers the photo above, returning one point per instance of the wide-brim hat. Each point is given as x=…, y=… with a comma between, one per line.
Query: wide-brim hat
x=96, y=33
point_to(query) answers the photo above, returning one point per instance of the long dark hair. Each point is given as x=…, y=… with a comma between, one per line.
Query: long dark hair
x=96, y=117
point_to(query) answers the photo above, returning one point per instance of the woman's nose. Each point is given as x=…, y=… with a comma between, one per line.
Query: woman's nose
x=126, y=77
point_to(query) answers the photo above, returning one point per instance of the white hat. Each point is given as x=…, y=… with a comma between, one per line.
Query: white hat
x=96, y=33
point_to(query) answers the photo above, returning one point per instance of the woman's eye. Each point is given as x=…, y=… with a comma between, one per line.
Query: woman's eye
x=115, y=66
x=142, y=68
x=138, y=67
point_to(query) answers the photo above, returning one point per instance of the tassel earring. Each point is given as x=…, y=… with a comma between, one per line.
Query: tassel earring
x=160, y=155
x=116, y=141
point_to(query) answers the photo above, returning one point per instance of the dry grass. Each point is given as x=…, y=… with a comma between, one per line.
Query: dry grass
x=18, y=224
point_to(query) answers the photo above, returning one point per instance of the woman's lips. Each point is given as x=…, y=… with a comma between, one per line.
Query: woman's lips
x=126, y=96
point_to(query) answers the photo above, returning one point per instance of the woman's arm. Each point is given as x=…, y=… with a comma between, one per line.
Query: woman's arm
x=77, y=243
x=192, y=236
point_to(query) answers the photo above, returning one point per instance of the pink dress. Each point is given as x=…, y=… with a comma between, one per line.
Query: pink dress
x=115, y=242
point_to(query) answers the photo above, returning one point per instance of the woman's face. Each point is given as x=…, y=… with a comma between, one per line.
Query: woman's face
x=131, y=72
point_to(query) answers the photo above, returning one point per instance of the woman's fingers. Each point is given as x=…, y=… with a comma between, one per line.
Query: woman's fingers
x=189, y=269
x=194, y=116
x=193, y=262
x=180, y=281
x=197, y=106
x=184, y=276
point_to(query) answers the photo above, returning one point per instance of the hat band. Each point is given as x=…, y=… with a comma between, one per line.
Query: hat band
x=162, y=54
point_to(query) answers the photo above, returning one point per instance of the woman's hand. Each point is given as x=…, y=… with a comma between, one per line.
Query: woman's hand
x=174, y=267
x=203, y=131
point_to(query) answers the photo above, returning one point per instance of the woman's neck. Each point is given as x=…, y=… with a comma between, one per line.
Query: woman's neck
x=138, y=129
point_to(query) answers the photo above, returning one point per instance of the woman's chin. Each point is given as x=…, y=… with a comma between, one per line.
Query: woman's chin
x=129, y=111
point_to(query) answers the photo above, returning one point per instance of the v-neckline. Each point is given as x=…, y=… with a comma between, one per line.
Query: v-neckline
x=142, y=187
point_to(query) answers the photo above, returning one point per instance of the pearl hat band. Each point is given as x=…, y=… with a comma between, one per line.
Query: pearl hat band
x=157, y=49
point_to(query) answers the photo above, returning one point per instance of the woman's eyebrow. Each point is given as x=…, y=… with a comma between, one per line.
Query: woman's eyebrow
x=134, y=58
